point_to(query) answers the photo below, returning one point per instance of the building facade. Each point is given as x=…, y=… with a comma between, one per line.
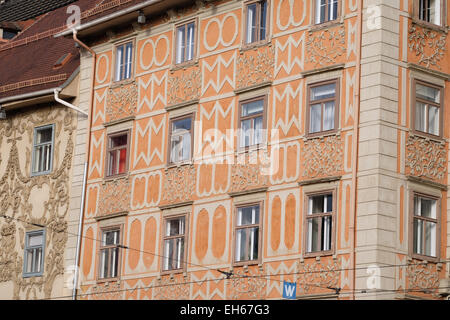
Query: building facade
x=236, y=145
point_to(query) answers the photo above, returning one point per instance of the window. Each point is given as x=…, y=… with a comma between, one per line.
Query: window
x=34, y=253
x=247, y=233
x=185, y=45
x=326, y=10
x=109, y=253
x=252, y=122
x=323, y=107
x=117, y=154
x=425, y=225
x=319, y=223
x=43, y=149
x=181, y=139
x=173, y=239
x=256, y=22
x=124, y=61
x=431, y=11
x=427, y=108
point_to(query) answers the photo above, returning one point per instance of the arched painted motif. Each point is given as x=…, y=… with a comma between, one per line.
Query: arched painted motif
x=88, y=251
x=201, y=234
x=289, y=221
x=150, y=233
x=135, y=244
x=275, y=224
x=219, y=231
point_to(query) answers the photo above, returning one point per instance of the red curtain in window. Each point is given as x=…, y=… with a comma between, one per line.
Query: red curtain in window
x=122, y=160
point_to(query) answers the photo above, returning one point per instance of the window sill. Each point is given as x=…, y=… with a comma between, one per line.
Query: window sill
x=246, y=263
x=429, y=25
x=184, y=65
x=179, y=164
x=322, y=135
x=37, y=174
x=121, y=83
x=318, y=254
x=106, y=281
x=32, y=275
x=250, y=149
x=255, y=45
x=326, y=25
x=427, y=136
x=172, y=272
x=116, y=177
x=424, y=259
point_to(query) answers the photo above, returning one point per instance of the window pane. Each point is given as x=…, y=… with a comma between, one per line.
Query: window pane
x=44, y=135
x=29, y=266
x=332, y=9
x=313, y=234
x=180, y=252
x=326, y=91
x=435, y=11
x=430, y=238
x=114, y=262
x=119, y=64
x=251, y=23
x=328, y=116
x=35, y=240
x=321, y=6
x=262, y=23
x=175, y=227
x=190, y=42
x=241, y=236
x=418, y=236
x=118, y=141
x=316, y=204
x=420, y=116
x=433, y=120
x=245, y=140
x=122, y=160
x=253, y=244
x=104, y=266
x=110, y=238
x=252, y=108
x=180, y=44
x=315, y=118
x=428, y=93
x=258, y=134
x=112, y=164
x=329, y=203
x=326, y=233
x=128, y=60
x=428, y=208
x=248, y=215
x=183, y=124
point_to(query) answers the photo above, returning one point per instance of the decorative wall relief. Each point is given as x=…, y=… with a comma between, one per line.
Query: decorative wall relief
x=247, y=284
x=179, y=183
x=428, y=45
x=107, y=291
x=184, y=85
x=114, y=196
x=318, y=275
x=16, y=198
x=422, y=276
x=322, y=157
x=425, y=158
x=172, y=288
x=324, y=47
x=248, y=172
x=254, y=68
x=121, y=102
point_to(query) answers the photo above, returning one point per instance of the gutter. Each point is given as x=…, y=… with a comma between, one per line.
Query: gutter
x=114, y=15
x=88, y=148
x=69, y=105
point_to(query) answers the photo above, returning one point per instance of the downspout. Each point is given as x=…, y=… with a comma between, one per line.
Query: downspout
x=88, y=148
x=355, y=148
x=69, y=105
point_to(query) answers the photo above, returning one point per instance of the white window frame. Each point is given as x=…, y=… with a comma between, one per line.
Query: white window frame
x=28, y=248
x=36, y=145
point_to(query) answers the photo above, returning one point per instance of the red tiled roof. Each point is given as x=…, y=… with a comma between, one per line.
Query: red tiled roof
x=27, y=63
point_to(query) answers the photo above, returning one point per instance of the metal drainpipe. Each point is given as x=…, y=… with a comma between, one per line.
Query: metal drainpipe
x=80, y=226
x=355, y=147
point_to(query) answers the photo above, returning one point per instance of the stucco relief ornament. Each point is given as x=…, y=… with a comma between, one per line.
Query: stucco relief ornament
x=179, y=183
x=322, y=157
x=248, y=172
x=255, y=69
x=425, y=158
x=422, y=276
x=121, y=102
x=184, y=87
x=108, y=291
x=247, y=284
x=318, y=275
x=421, y=39
x=172, y=288
x=324, y=47
x=115, y=196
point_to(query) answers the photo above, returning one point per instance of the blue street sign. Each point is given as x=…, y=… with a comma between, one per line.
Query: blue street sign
x=289, y=290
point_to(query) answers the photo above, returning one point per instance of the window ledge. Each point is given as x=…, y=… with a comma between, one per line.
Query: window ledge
x=246, y=264
x=117, y=84
x=176, y=205
x=246, y=192
x=318, y=255
x=319, y=135
x=31, y=275
x=255, y=45
x=326, y=25
x=319, y=180
x=433, y=184
x=184, y=65
x=429, y=25
x=122, y=176
x=439, y=74
x=111, y=215
x=181, y=105
x=178, y=164
x=112, y=123
x=253, y=87
x=425, y=136
x=38, y=174
x=323, y=70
